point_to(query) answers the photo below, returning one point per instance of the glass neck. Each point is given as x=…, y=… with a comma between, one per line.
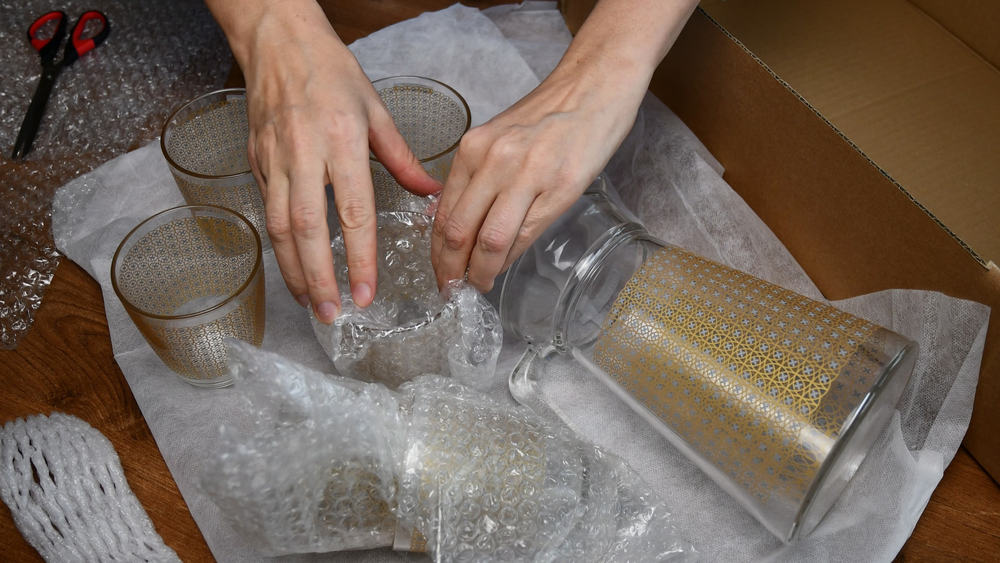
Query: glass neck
x=595, y=283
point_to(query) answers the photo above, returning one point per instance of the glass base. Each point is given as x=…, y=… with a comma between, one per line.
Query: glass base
x=216, y=383
x=860, y=432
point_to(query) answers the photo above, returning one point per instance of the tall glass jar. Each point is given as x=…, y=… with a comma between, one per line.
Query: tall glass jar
x=775, y=396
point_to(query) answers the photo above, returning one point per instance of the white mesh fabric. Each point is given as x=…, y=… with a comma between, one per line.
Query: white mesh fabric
x=65, y=488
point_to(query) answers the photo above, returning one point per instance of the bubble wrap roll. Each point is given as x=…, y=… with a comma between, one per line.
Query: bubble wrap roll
x=331, y=463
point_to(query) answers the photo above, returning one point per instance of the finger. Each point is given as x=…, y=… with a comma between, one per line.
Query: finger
x=307, y=213
x=279, y=229
x=391, y=150
x=497, y=236
x=461, y=229
x=255, y=166
x=458, y=180
x=542, y=213
x=355, y=201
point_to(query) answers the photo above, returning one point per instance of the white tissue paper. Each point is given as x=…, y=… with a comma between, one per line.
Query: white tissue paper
x=669, y=178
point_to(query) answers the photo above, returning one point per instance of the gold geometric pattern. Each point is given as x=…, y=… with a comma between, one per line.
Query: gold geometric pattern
x=211, y=140
x=243, y=198
x=431, y=122
x=756, y=378
x=185, y=266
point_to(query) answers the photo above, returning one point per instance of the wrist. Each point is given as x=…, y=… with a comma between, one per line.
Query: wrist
x=623, y=41
x=258, y=29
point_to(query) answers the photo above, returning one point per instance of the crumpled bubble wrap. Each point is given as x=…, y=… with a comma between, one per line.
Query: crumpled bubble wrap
x=330, y=463
x=307, y=475
x=484, y=481
x=410, y=328
x=114, y=98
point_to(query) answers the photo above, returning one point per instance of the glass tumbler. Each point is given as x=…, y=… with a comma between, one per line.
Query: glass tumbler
x=776, y=397
x=205, y=144
x=191, y=277
x=432, y=117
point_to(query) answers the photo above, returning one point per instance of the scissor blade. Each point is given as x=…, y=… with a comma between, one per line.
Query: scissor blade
x=29, y=127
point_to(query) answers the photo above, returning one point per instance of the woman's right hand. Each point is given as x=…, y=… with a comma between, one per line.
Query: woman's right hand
x=313, y=116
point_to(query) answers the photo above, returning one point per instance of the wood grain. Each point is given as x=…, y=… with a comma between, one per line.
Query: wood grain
x=65, y=364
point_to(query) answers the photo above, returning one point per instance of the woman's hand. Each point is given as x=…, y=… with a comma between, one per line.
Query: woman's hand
x=313, y=117
x=514, y=175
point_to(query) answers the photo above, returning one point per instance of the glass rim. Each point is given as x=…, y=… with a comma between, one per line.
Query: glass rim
x=132, y=308
x=163, y=137
x=849, y=429
x=465, y=106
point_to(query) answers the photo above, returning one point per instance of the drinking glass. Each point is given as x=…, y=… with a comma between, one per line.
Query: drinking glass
x=205, y=144
x=775, y=396
x=190, y=277
x=432, y=117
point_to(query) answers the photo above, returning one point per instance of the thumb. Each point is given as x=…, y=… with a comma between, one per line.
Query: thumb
x=392, y=151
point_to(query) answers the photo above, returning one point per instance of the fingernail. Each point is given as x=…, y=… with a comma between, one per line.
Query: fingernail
x=326, y=311
x=303, y=300
x=362, y=294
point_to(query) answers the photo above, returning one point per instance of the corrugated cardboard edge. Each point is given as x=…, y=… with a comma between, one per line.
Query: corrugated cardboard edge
x=975, y=256
x=852, y=227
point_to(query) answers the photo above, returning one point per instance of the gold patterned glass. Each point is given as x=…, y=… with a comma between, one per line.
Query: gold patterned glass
x=205, y=144
x=432, y=117
x=777, y=397
x=191, y=277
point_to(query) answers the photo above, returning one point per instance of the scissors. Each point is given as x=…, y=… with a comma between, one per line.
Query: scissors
x=47, y=49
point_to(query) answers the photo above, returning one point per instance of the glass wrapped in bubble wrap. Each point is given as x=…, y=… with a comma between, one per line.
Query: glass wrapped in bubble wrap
x=330, y=463
x=411, y=328
x=775, y=396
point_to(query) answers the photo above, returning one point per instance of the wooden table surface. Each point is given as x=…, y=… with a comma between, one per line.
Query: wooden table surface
x=65, y=364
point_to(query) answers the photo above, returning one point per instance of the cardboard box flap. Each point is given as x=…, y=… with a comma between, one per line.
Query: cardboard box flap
x=975, y=22
x=802, y=175
x=913, y=96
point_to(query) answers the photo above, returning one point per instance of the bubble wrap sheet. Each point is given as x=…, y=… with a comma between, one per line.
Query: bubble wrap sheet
x=410, y=328
x=112, y=99
x=462, y=339
x=662, y=171
x=477, y=478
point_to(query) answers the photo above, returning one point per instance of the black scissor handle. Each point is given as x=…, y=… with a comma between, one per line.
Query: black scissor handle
x=78, y=46
x=47, y=47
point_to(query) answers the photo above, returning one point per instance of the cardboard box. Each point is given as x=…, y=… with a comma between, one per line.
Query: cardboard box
x=852, y=226
x=913, y=83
